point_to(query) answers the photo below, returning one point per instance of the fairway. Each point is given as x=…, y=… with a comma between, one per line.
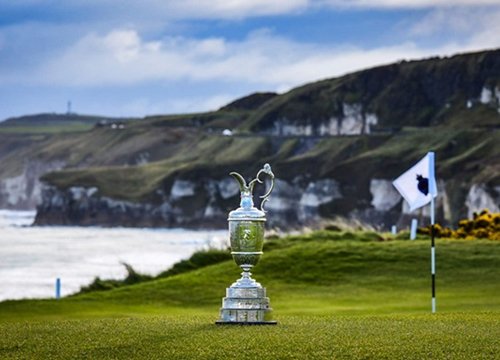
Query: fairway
x=451, y=336
x=332, y=298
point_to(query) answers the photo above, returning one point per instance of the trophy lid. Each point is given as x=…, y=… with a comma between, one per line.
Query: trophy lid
x=247, y=211
x=251, y=214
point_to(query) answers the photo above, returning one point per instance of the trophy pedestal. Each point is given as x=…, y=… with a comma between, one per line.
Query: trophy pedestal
x=245, y=306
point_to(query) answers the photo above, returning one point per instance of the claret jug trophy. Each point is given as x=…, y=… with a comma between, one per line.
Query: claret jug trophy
x=246, y=302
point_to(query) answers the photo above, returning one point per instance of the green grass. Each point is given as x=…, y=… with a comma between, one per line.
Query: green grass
x=46, y=129
x=457, y=336
x=52, y=123
x=334, y=294
x=135, y=183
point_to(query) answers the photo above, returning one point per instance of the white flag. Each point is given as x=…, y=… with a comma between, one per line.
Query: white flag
x=418, y=185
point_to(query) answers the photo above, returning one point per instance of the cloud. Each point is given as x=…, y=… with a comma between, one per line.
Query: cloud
x=489, y=36
x=120, y=56
x=479, y=28
x=221, y=9
x=234, y=8
x=145, y=106
x=123, y=57
x=198, y=103
x=165, y=9
x=405, y=4
x=444, y=20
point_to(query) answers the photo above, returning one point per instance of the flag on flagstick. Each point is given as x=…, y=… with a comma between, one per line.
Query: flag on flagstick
x=418, y=185
x=418, y=188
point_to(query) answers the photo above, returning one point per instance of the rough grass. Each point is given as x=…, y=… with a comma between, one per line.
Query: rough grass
x=46, y=129
x=210, y=154
x=51, y=123
x=334, y=294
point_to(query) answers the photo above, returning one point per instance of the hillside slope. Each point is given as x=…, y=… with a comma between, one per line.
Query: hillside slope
x=460, y=91
x=332, y=298
x=340, y=272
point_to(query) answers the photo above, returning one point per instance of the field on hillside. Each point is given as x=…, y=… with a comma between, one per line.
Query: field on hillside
x=334, y=295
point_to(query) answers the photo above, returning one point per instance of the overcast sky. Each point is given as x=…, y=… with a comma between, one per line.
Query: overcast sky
x=137, y=58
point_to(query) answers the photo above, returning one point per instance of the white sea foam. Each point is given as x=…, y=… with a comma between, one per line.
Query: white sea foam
x=31, y=258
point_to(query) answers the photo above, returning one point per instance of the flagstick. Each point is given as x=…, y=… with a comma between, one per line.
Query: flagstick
x=433, y=258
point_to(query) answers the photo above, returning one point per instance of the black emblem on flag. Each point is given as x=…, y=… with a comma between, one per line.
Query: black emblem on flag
x=423, y=184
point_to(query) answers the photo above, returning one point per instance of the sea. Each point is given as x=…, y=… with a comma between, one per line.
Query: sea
x=33, y=257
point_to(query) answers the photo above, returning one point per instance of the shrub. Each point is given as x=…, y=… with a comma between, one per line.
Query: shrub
x=485, y=225
x=198, y=260
x=133, y=277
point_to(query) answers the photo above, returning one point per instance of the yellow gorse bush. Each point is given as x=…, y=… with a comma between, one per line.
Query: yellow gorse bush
x=485, y=225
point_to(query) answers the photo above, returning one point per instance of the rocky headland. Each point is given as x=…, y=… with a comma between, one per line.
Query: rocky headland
x=335, y=146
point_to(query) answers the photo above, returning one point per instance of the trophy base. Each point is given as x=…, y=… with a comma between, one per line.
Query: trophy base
x=245, y=306
x=220, y=322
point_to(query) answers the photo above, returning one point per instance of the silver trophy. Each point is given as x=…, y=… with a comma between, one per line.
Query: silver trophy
x=246, y=302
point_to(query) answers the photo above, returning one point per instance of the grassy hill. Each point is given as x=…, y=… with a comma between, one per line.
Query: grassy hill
x=430, y=92
x=335, y=295
x=53, y=123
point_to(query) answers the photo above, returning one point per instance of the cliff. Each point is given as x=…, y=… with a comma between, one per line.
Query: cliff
x=335, y=145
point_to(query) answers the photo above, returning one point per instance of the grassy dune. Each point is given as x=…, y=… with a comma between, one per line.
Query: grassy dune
x=333, y=298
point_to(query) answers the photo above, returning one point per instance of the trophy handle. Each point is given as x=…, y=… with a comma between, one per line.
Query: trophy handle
x=266, y=170
x=241, y=181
